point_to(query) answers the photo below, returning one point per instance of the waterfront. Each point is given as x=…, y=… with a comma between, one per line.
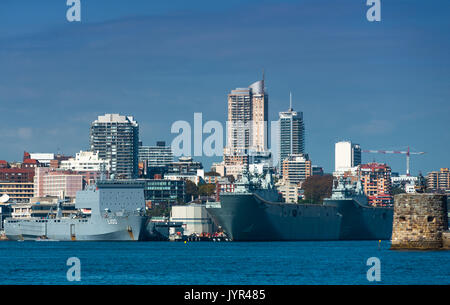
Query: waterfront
x=173, y=263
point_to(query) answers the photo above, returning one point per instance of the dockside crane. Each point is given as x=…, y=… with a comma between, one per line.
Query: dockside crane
x=408, y=154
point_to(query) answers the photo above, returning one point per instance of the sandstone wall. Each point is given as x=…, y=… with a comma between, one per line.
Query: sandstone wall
x=419, y=221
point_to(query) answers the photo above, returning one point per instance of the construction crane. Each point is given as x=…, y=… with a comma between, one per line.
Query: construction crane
x=408, y=154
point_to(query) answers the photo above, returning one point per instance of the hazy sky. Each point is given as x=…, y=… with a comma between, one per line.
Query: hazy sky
x=384, y=85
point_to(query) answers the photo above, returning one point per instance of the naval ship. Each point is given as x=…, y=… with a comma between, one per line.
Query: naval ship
x=111, y=210
x=254, y=212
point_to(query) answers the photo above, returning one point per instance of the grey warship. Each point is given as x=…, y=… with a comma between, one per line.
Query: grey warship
x=254, y=212
x=117, y=213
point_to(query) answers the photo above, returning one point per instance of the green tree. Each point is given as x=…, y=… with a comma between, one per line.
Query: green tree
x=316, y=188
x=191, y=189
x=397, y=190
x=207, y=189
x=211, y=173
x=159, y=210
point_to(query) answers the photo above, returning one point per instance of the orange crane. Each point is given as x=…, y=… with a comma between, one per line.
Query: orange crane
x=408, y=154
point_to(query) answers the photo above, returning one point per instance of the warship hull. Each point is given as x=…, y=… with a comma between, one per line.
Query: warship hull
x=126, y=228
x=249, y=217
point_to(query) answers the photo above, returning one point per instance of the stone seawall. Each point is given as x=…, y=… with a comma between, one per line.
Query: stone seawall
x=420, y=221
x=446, y=240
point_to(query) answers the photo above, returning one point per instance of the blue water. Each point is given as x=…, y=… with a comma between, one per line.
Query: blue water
x=173, y=263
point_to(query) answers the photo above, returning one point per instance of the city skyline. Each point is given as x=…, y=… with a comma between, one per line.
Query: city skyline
x=383, y=85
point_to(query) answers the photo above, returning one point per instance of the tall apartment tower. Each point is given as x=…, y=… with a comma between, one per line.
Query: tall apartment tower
x=116, y=138
x=291, y=133
x=347, y=155
x=247, y=125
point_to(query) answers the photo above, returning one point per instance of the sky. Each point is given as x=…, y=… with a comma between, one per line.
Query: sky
x=383, y=85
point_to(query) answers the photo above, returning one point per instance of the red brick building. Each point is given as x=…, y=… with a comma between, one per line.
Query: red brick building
x=16, y=174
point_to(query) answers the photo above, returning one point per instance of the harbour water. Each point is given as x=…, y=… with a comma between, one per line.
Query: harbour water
x=234, y=263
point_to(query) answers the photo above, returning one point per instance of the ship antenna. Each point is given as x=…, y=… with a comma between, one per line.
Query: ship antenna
x=58, y=211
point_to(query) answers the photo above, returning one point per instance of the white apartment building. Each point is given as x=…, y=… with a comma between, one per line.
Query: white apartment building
x=85, y=161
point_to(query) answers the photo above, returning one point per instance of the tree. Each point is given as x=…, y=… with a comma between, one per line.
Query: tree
x=191, y=189
x=397, y=190
x=159, y=210
x=230, y=178
x=316, y=188
x=211, y=173
x=207, y=189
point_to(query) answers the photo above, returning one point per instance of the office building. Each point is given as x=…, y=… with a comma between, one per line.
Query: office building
x=60, y=183
x=296, y=168
x=159, y=155
x=165, y=191
x=347, y=155
x=154, y=160
x=116, y=138
x=291, y=133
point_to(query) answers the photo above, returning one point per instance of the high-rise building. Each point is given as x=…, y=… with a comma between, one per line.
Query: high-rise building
x=347, y=155
x=376, y=181
x=260, y=117
x=291, y=133
x=247, y=124
x=159, y=155
x=116, y=138
x=439, y=180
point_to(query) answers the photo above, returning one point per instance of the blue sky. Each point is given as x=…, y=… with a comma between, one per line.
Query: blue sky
x=384, y=85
